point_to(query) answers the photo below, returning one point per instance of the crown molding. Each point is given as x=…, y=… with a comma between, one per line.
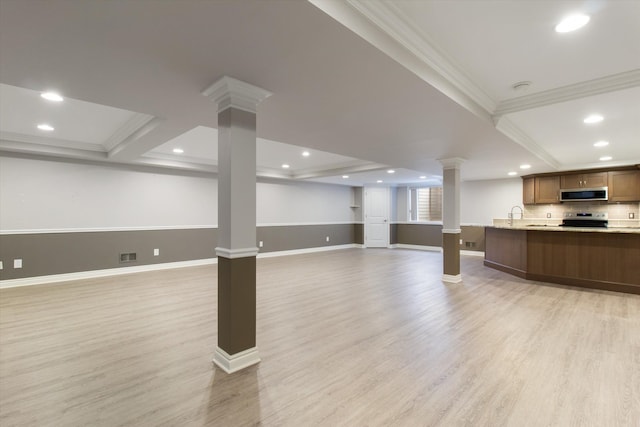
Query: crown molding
x=379, y=24
x=339, y=170
x=50, y=142
x=507, y=127
x=135, y=123
x=389, y=17
x=50, y=150
x=228, y=92
x=593, y=87
x=452, y=162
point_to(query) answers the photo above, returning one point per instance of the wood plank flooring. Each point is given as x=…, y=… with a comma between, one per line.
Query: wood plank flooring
x=347, y=338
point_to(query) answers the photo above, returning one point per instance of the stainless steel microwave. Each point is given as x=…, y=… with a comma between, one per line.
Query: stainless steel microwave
x=584, y=194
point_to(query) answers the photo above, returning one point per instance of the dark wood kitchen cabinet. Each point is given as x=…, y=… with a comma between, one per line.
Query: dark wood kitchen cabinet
x=547, y=189
x=624, y=186
x=584, y=180
x=528, y=191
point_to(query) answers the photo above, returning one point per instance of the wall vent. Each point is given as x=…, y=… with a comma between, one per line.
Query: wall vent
x=470, y=244
x=128, y=257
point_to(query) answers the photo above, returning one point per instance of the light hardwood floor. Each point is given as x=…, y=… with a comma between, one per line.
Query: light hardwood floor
x=347, y=338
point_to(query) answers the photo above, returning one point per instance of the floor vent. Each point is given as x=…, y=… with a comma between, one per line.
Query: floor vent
x=128, y=257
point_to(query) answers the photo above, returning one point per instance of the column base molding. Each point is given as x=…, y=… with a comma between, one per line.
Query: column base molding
x=236, y=362
x=236, y=253
x=452, y=278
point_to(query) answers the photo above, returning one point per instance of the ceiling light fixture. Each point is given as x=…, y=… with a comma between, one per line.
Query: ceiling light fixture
x=423, y=177
x=601, y=144
x=572, y=23
x=593, y=118
x=306, y=154
x=345, y=176
x=45, y=127
x=285, y=166
x=525, y=166
x=512, y=173
x=178, y=150
x=605, y=158
x=52, y=96
x=391, y=171
x=379, y=181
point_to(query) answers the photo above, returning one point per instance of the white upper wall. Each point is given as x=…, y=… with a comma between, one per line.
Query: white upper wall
x=57, y=195
x=482, y=201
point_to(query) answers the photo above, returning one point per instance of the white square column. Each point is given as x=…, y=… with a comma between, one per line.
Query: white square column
x=237, y=104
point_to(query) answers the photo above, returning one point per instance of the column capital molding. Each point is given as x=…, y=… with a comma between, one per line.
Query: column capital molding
x=452, y=162
x=237, y=253
x=228, y=92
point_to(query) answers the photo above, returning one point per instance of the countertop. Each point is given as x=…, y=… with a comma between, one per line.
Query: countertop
x=630, y=230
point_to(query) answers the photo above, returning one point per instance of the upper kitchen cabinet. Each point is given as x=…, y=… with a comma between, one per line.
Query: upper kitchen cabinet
x=583, y=180
x=547, y=189
x=528, y=191
x=624, y=186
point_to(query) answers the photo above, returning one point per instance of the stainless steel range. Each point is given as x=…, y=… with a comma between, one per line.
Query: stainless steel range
x=585, y=219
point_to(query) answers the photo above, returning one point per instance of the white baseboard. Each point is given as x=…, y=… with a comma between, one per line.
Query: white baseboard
x=307, y=250
x=54, y=278
x=417, y=247
x=472, y=253
x=234, y=363
x=450, y=278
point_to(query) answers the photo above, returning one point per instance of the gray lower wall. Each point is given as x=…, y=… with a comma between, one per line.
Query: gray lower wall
x=59, y=253
x=431, y=235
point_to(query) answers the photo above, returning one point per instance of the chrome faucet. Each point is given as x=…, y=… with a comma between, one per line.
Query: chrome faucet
x=511, y=214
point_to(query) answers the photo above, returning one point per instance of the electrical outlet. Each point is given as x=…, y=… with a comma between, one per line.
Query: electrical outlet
x=156, y=252
x=17, y=263
x=460, y=241
x=327, y=238
x=260, y=244
x=1, y=266
x=548, y=214
x=632, y=215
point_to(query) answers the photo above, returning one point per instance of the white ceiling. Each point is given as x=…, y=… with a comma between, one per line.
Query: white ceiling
x=363, y=85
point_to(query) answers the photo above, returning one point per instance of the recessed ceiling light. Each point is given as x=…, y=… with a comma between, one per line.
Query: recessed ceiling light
x=423, y=177
x=601, y=144
x=45, y=126
x=178, y=150
x=306, y=154
x=572, y=23
x=593, y=118
x=525, y=166
x=52, y=96
x=285, y=166
x=391, y=171
x=605, y=158
x=345, y=176
x=512, y=173
x=379, y=181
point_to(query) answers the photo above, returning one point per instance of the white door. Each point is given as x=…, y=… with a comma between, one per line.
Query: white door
x=376, y=217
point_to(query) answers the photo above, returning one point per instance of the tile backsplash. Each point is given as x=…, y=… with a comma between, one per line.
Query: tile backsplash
x=618, y=213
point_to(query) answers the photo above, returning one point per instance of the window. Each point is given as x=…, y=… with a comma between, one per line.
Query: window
x=427, y=202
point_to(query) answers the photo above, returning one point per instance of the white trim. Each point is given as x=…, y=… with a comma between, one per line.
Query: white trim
x=163, y=227
x=309, y=250
x=228, y=92
x=236, y=362
x=104, y=229
x=418, y=222
x=92, y=274
x=449, y=278
x=134, y=124
x=452, y=162
x=611, y=83
x=451, y=231
x=417, y=247
x=472, y=253
x=45, y=142
x=237, y=253
x=509, y=128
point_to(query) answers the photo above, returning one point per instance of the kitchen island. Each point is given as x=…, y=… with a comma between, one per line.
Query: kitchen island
x=602, y=258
